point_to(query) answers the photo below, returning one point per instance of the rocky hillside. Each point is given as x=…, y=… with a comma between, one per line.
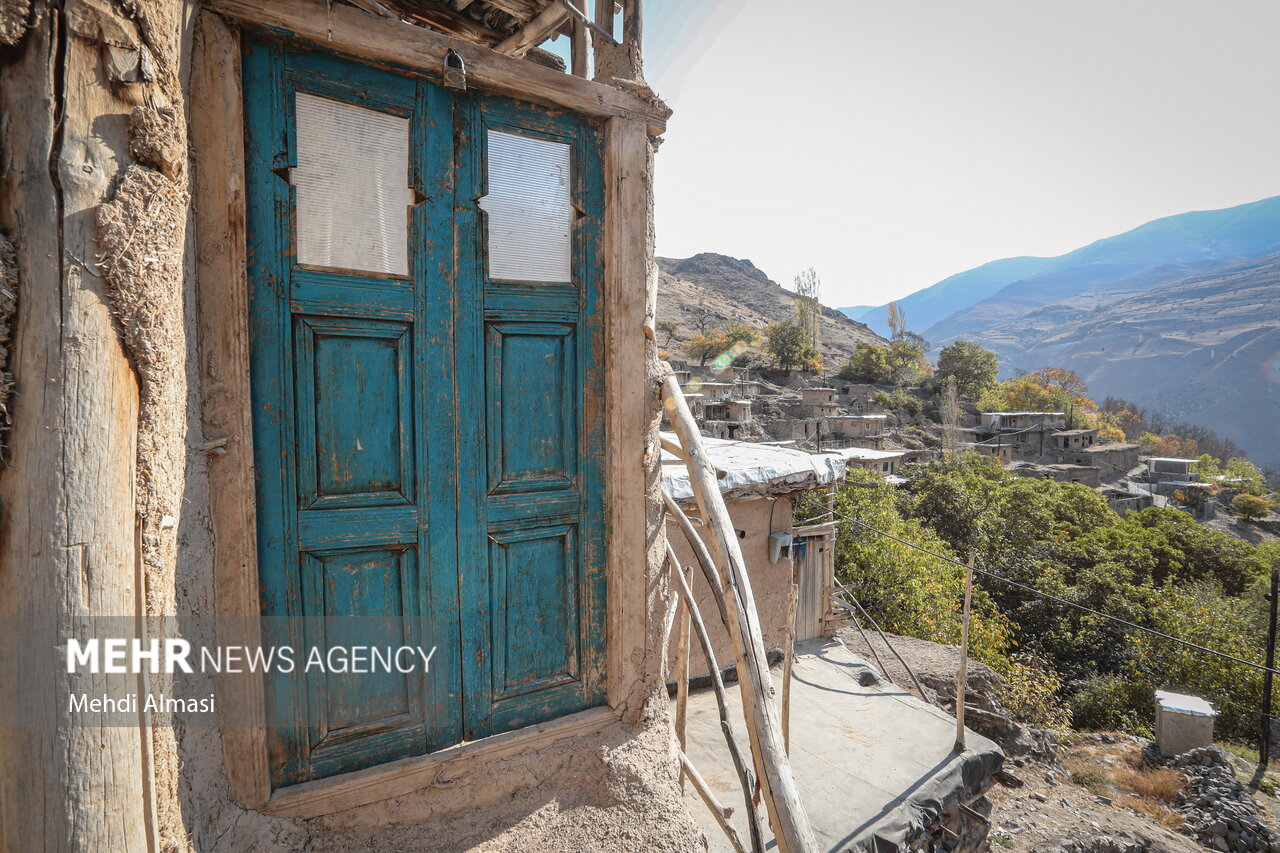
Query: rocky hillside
x=726, y=290
x=1202, y=347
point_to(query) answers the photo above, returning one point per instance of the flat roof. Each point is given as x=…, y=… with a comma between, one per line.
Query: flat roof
x=1024, y=413
x=858, y=417
x=1184, y=703
x=1075, y=431
x=865, y=453
x=870, y=760
x=752, y=468
x=1169, y=459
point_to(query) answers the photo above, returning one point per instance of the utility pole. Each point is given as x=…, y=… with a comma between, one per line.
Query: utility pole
x=1264, y=748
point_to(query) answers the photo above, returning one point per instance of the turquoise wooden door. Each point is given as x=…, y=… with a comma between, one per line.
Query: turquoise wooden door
x=427, y=383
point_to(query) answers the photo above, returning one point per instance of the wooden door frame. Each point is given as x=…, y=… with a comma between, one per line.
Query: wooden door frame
x=217, y=132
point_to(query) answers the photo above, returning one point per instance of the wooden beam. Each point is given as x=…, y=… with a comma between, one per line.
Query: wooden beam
x=535, y=32
x=580, y=41
x=448, y=21
x=396, y=42
x=375, y=8
x=604, y=16
x=791, y=828
x=222, y=310
x=629, y=409
x=632, y=23
x=69, y=557
x=521, y=10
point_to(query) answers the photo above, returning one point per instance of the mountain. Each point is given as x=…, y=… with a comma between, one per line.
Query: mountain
x=955, y=293
x=1216, y=237
x=1201, y=346
x=854, y=310
x=732, y=290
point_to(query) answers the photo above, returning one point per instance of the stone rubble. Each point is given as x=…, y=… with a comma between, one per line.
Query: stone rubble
x=1221, y=814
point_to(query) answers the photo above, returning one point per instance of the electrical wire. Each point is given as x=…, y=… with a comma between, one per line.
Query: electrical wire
x=1058, y=599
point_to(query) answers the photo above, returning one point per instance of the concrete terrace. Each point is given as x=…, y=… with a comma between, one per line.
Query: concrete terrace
x=873, y=763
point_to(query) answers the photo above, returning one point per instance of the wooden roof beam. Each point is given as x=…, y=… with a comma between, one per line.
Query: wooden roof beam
x=535, y=32
x=384, y=40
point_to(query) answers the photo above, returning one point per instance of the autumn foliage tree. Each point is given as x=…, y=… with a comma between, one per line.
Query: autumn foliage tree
x=1049, y=389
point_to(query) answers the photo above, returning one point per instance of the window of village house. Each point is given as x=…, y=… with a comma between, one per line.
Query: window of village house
x=352, y=185
x=529, y=208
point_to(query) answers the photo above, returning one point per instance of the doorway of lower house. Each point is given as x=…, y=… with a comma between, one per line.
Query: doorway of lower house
x=427, y=379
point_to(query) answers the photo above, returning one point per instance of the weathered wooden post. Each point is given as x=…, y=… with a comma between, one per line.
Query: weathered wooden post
x=962, y=677
x=787, y=815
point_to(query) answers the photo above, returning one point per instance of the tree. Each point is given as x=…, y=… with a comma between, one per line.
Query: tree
x=1175, y=446
x=701, y=318
x=869, y=363
x=808, y=306
x=1243, y=476
x=1108, y=432
x=1251, y=507
x=1048, y=390
x=707, y=346
x=906, y=349
x=973, y=368
x=740, y=333
x=950, y=418
x=670, y=329
x=788, y=343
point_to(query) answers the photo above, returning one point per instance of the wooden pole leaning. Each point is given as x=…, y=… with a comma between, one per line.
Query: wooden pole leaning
x=787, y=815
x=682, y=659
x=745, y=777
x=789, y=654
x=962, y=676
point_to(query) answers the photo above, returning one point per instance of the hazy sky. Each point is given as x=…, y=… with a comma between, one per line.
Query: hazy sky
x=891, y=143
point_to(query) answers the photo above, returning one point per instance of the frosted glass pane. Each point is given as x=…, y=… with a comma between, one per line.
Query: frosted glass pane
x=529, y=208
x=352, y=187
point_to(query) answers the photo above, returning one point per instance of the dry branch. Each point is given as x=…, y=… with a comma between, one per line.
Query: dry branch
x=745, y=777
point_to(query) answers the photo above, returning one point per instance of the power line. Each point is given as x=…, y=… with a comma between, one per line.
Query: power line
x=1058, y=599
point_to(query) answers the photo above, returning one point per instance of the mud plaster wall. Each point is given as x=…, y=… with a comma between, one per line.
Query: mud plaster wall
x=770, y=582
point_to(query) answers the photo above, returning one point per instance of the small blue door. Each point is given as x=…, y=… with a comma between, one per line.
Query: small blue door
x=427, y=382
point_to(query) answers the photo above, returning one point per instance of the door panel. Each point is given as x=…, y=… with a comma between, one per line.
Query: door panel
x=355, y=431
x=428, y=440
x=532, y=416
x=530, y=347
x=535, y=582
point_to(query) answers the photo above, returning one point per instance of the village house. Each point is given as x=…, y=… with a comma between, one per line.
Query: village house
x=887, y=462
x=818, y=402
x=1003, y=422
x=1166, y=469
x=1073, y=439
x=762, y=484
x=863, y=430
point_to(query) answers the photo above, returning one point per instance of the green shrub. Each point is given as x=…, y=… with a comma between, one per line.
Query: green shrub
x=1032, y=693
x=1109, y=703
x=1251, y=507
